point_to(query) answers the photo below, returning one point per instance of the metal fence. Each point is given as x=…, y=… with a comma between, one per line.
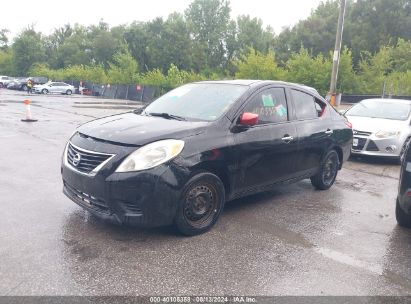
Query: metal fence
x=120, y=91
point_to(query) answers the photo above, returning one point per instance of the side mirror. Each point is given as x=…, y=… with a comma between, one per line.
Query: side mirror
x=248, y=119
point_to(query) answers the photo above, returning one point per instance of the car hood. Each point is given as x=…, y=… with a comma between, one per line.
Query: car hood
x=135, y=129
x=374, y=125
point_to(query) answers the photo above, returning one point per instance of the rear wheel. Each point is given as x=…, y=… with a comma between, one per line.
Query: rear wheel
x=68, y=92
x=403, y=219
x=325, y=178
x=44, y=91
x=201, y=203
x=24, y=87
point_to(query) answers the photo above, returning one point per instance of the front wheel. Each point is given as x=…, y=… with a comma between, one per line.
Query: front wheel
x=325, y=178
x=201, y=203
x=68, y=92
x=403, y=219
x=44, y=91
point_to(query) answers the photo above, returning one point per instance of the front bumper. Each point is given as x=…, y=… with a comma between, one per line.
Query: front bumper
x=373, y=146
x=147, y=198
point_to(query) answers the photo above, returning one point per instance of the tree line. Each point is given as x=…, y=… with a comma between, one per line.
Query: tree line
x=206, y=43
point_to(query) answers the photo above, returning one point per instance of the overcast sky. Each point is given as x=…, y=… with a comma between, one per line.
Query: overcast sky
x=46, y=15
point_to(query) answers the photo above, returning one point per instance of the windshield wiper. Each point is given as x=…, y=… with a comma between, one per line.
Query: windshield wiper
x=166, y=116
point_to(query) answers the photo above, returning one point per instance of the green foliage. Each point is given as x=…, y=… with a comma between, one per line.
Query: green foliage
x=209, y=23
x=205, y=43
x=28, y=49
x=347, y=79
x=398, y=83
x=373, y=70
x=94, y=73
x=123, y=69
x=312, y=71
x=6, y=62
x=3, y=38
x=256, y=65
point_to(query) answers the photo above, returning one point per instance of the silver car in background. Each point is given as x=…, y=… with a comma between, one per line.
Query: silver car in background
x=381, y=127
x=55, y=87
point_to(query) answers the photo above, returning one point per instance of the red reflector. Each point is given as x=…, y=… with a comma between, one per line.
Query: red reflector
x=409, y=193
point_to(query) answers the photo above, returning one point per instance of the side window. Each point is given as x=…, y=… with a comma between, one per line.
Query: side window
x=270, y=105
x=320, y=107
x=305, y=105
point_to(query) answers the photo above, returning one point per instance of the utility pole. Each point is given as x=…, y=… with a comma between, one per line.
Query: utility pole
x=337, y=51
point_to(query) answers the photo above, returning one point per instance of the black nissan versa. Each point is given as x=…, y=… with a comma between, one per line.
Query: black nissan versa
x=191, y=150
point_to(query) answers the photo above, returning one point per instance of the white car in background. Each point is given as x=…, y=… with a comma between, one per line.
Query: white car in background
x=54, y=87
x=5, y=80
x=381, y=127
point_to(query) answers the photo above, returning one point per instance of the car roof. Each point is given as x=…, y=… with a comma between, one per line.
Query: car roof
x=388, y=100
x=255, y=83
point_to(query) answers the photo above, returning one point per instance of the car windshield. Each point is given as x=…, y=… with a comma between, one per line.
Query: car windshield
x=381, y=109
x=197, y=101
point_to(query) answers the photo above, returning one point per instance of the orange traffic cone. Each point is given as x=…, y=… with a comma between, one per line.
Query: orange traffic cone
x=28, y=118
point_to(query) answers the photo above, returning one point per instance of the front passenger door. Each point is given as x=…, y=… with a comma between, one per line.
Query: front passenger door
x=267, y=151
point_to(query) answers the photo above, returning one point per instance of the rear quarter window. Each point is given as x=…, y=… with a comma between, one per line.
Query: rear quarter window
x=307, y=106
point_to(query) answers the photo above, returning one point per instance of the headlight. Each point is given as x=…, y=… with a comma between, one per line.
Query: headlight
x=151, y=155
x=385, y=134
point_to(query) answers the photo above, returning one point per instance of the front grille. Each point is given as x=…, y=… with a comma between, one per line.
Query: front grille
x=361, y=133
x=86, y=199
x=83, y=160
x=361, y=143
x=372, y=146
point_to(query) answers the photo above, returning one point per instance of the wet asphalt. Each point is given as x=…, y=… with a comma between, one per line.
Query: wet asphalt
x=292, y=240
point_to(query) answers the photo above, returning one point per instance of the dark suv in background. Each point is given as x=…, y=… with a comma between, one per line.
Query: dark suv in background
x=188, y=152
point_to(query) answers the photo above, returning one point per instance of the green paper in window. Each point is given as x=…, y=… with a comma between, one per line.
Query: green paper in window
x=281, y=110
x=268, y=101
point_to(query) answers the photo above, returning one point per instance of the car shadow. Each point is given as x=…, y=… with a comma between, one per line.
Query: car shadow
x=373, y=160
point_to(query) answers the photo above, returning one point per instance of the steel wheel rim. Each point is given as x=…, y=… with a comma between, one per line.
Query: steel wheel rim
x=200, y=205
x=330, y=169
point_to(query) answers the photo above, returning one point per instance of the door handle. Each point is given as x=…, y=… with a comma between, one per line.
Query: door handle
x=329, y=132
x=287, y=138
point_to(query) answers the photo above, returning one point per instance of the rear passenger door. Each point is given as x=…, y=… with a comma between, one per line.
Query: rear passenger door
x=267, y=151
x=313, y=128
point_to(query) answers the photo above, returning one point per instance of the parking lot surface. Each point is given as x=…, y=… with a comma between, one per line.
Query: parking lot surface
x=292, y=240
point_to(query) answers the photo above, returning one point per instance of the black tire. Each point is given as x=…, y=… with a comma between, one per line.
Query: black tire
x=69, y=92
x=1, y=86
x=24, y=87
x=325, y=178
x=403, y=151
x=403, y=219
x=44, y=91
x=201, y=203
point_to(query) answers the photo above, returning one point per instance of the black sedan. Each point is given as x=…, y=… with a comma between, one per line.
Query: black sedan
x=187, y=153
